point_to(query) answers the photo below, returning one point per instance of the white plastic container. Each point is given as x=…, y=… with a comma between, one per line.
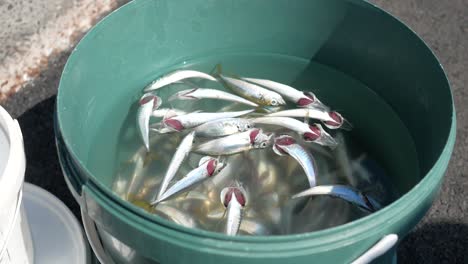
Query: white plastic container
x=16, y=245
x=50, y=234
x=56, y=233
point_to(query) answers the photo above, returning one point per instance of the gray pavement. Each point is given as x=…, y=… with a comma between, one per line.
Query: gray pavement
x=442, y=236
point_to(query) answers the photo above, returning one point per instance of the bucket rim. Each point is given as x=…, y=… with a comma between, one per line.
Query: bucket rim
x=389, y=214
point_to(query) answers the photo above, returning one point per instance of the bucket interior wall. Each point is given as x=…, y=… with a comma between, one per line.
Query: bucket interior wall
x=128, y=49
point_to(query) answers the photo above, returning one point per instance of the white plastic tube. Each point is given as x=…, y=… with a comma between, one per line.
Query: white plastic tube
x=377, y=250
x=15, y=237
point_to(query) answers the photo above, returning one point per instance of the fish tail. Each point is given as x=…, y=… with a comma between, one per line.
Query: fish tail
x=167, y=115
x=217, y=70
x=155, y=202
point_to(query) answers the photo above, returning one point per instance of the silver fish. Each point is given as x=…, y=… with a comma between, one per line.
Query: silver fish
x=208, y=167
x=148, y=103
x=160, y=128
x=128, y=177
x=253, y=92
x=228, y=173
x=286, y=145
x=344, y=192
x=181, y=153
x=332, y=120
x=202, y=93
x=176, y=216
x=248, y=140
x=310, y=133
x=177, y=76
x=234, y=199
x=223, y=127
x=253, y=228
x=167, y=112
x=302, y=99
x=178, y=123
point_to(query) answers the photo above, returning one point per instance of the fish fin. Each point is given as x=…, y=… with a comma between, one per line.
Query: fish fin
x=299, y=206
x=160, y=128
x=229, y=107
x=236, y=76
x=238, y=184
x=309, y=94
x=167, y=115
x=175, y=125
x=155, y=126
x=224, y=214
x=163, y=130
x=174, y=181
x=256, y=113
x=129, y=162
x=173, y=97
x=204, y=160
x=186, y=95
x=370, y=202
x=217, y=70
x=346, y=125
x=307, y=118
x=269, y=109
x=326, y=139
x=317, y=103
x=277, y=151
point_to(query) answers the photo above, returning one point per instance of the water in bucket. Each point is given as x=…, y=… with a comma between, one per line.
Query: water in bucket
x=270, y=180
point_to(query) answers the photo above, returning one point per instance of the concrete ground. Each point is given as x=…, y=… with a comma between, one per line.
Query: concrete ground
x=34, y=31
x=442, y=236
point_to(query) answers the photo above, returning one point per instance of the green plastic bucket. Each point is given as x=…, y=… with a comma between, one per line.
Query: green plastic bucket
x=142, y=39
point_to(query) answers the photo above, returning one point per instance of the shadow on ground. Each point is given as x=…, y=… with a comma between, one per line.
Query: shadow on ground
x=435, y=243
x=42, y=162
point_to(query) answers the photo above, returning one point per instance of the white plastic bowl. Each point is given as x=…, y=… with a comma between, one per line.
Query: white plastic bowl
x=15, y=237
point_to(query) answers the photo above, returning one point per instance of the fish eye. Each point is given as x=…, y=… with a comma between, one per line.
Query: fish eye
x=248, y=126
x=274, y=102
x=263, y=145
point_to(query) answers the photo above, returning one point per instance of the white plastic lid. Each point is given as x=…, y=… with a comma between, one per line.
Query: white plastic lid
x=57, y=235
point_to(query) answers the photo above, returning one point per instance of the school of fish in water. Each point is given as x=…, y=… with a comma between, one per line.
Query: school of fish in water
x=226, y=133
